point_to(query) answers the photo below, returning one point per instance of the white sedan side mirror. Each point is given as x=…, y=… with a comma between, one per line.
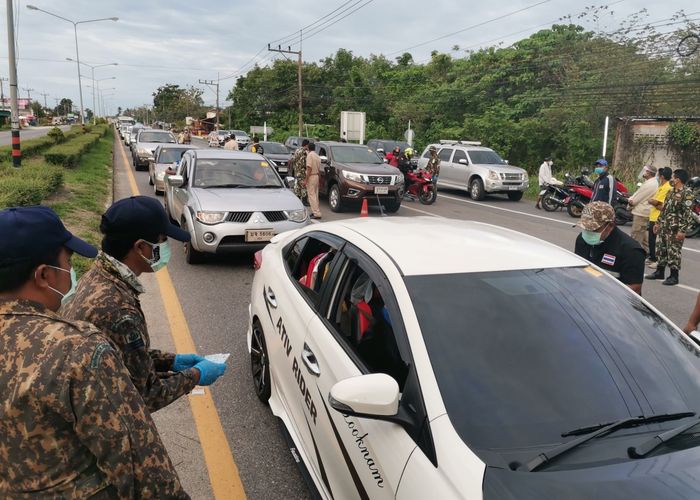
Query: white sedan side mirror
x=372, y=395
x=463, y=161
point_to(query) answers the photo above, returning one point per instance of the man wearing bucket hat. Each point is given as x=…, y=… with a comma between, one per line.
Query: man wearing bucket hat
x=603, y=244
x=72, y=425
x=135, y=241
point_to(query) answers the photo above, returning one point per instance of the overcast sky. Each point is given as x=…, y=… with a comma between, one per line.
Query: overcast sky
x=177, y=41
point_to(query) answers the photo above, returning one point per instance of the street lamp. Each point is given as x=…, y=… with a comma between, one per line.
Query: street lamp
x=100, y=91
x=92, y=67
x=77, y=53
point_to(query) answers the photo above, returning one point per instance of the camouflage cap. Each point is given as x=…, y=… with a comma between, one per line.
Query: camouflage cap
x=596, y=215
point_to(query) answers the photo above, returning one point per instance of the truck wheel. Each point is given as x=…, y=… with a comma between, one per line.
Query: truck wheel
x=515, y=196
x=476, y=189
x=392, y=206
x=334, y=199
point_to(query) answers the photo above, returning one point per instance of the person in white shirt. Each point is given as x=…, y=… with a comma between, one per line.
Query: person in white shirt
x=641, y=208
x=546, y=179
x=231, y=143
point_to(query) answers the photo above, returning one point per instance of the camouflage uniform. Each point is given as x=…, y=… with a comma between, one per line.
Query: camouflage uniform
x=72, y=424
x=676, y=217
x=107, y=296
x=299, y=169
x=433, y=166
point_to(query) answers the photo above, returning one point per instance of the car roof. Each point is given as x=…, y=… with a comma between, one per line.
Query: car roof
x=459, y=146
x=428, y=245
x=213, y=153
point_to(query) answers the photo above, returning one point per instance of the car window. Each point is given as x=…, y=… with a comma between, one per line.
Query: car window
x=170, y=155
x=459, y=155
x=355, y=154
x=426, y=153
x=445, y=154
x=485, y=158
x=183, y=170
x=322, y=152
x=308, y=261
x=522, y=357
x=234, y=173
x=362, y=318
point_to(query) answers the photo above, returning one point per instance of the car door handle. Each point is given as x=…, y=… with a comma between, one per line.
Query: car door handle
x=270, y=297
x=309, y=359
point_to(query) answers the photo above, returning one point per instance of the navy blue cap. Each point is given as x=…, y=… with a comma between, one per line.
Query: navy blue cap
x=602, y=162
x=31, y=232
x=139, y=217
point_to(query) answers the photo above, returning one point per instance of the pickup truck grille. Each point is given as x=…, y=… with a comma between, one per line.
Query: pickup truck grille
x=277, y=216
x=511, y=177
x=239, y=216
x=383, y=180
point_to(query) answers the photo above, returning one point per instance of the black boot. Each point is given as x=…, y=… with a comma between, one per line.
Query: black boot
x=673, y=279
x=658, y=274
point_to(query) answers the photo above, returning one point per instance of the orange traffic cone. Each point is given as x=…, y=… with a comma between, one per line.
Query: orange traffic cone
x=364, y=212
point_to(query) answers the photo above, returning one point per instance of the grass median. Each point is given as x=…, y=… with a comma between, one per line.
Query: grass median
x=86, y=192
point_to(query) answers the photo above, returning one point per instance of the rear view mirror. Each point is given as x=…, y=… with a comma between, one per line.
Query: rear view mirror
x=463, y=161
x=380, y=150
x=290, y=182
x=324, y=159
x=175, y=181
x=372, y=395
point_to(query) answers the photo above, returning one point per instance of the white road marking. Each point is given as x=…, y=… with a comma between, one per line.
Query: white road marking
x=422, y=211
x=690, y=288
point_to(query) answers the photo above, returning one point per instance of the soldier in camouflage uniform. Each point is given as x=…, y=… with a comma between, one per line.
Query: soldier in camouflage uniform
x=72, y=425
x=675, y=220
x=135, y=232
x=433, y=166
x=299, y=169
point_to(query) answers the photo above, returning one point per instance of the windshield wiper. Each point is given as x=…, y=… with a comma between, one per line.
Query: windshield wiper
x=650, y=445
x=601, y=430
x=226, y=186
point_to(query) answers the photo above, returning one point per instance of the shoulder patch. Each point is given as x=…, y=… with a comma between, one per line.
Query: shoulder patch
x=97, y=354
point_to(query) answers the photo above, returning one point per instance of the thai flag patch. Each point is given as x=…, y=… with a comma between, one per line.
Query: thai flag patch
x=608, y=260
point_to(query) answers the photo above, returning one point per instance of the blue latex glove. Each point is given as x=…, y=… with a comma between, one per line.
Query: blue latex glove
x=185, y=361
x=209, y=371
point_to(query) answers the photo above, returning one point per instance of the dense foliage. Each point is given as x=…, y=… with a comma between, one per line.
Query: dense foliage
x=544, y=95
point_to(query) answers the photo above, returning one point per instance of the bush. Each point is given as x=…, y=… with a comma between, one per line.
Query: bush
x=68, y=154
x=683, y=135
x=29, y=185
x=57, y=135
x=33, y=147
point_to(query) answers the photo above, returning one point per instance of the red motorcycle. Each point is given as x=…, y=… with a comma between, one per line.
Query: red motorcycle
x=582, y=192
x=420, y=185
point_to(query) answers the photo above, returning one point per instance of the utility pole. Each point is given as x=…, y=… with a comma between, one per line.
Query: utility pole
x=2, y=91
x=45, y=96
x=16, y=151
x=213, y=83
x=29, y=93
x=289, y=50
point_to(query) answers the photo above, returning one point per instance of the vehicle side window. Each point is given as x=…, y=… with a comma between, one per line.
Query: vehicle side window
x=459, y=155
x=445, y=154
x=426, y=154
x=309, y=261
x=184, y=171
x=322, y=152
x=363, y=321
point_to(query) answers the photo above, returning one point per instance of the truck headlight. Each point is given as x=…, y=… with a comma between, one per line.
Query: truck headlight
x=210, y=217
x=296, y=215
x=493, y=175
x=353, y=176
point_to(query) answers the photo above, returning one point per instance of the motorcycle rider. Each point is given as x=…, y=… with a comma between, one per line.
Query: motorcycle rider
x=404, y=166
x=641, y=208
x=545, y=179
x=604, y=186
x=606, y=246
x=393, y=156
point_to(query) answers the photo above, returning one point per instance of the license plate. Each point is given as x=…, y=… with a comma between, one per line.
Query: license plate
x=381, y=190
x=513, y=188
x=252, y=235
x=282, y=170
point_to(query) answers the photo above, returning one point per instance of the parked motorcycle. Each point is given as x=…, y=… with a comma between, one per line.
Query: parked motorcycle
x=421, y=186
x=623, y=214
x=557, y=196
x=695, y=228
x=582, y=194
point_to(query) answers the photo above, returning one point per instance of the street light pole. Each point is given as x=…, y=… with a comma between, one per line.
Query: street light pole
x=92, y=68
x=77, y=52
x=16, y=152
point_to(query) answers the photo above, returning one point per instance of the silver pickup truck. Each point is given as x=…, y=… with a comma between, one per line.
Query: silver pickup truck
x=468, y=166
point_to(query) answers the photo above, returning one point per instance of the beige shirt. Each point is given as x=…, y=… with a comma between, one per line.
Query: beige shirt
x=233, y=144
x=313, y=163
x=640, y=198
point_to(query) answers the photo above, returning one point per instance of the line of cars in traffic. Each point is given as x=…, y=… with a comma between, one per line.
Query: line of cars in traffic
x=227, y=200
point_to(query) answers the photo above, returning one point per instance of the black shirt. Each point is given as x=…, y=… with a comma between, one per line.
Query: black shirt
x=618, y=254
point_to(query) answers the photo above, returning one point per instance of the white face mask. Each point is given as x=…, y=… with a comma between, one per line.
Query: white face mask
x=65, y=297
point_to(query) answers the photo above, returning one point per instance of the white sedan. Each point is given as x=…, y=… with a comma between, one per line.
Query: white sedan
x=417, y=358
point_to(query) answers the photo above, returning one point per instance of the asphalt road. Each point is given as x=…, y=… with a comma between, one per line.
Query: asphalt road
x=27, y=133
x=215, y=297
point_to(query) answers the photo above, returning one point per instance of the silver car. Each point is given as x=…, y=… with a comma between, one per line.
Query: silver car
x=166, y=158
x=146, y=143
x=228, y=201
x=466, y=165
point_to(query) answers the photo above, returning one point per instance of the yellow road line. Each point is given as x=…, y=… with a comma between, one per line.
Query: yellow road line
x=223, y=472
